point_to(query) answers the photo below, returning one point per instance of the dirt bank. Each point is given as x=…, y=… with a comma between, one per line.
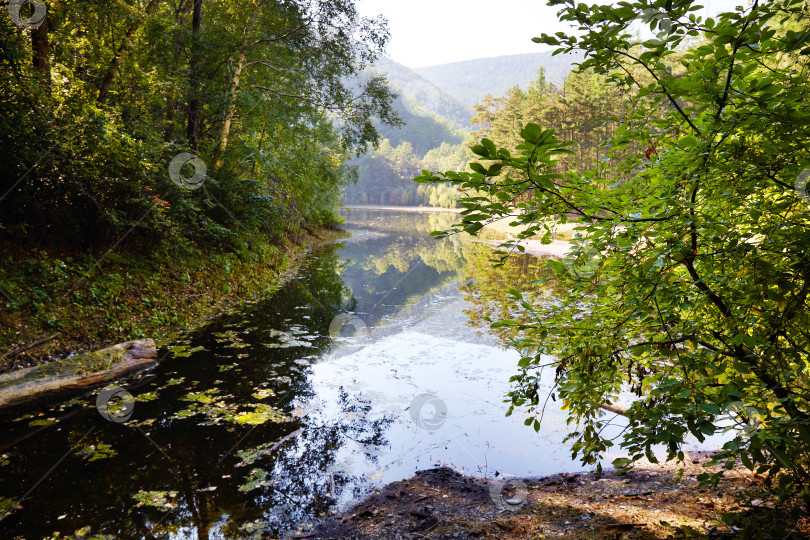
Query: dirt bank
x=646, y=503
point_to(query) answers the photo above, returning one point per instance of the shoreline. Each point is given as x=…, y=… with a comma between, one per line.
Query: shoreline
x=648, y=502
x=250, y=282
x=421, y=209
x=557, y=248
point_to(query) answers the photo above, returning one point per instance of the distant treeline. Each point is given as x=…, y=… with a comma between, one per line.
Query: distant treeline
x=386, y=176
x=583, y=109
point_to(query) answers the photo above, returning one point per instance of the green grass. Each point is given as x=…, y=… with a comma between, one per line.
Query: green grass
x=129, y=296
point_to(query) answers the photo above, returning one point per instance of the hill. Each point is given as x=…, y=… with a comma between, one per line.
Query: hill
x=471, y=80
x=423, y=98
x=424, y=132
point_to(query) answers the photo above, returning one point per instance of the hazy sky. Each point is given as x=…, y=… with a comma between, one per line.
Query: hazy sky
x=431, y=32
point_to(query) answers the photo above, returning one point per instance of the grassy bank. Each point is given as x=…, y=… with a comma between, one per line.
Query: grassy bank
x=54, y=304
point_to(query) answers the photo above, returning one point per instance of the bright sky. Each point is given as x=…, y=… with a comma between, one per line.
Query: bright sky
x=431, y=32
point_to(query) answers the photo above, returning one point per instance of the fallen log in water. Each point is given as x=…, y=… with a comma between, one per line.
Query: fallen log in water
x=76, y=374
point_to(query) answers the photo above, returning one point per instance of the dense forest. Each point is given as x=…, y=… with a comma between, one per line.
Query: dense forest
x=582, y=108
x=434, y=126
x=143, y=135
x=386, y=176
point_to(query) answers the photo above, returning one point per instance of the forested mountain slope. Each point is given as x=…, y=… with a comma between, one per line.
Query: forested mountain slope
x=471, y=80
x=423, y=96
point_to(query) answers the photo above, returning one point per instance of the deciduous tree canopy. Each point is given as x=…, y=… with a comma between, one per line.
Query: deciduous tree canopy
x=98, y=99
x=689, y=275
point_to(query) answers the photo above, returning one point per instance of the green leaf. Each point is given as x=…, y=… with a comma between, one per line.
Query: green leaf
x=710, y=408
x=532, y=133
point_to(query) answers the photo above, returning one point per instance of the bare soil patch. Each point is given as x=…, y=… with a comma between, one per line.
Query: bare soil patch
x=646, y=503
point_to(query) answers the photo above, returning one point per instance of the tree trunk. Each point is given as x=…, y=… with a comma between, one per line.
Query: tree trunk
x=233, y=88
x=126, y=45
x=193, y=128
x=40, y=47
x=75, y=375
x=171, y=99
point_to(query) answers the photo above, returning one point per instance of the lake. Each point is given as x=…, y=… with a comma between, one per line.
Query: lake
x=372, y=363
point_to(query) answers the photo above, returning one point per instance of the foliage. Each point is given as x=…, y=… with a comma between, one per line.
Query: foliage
x=385, y=174
x=688, y=279
x=584, y=108
x=133, y=298
x=259, y=90
x=96, y=102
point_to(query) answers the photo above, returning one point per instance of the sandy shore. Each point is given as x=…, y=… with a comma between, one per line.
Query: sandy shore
x=403, y=208
x=557, y=248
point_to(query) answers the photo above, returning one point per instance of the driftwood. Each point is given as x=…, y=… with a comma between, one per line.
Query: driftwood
x=75, y=374
x=614, y=408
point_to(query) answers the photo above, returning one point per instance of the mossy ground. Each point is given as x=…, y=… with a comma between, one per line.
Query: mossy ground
x=129, y=296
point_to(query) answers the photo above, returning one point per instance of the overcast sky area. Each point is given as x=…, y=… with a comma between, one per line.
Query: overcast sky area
x=431, y=32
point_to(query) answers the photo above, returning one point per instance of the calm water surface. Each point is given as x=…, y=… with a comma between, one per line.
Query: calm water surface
x=371, y=364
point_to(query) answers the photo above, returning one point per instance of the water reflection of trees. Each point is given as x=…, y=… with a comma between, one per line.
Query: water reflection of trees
x=179, y=458
x=303, y=479
x=485, y=287
x=187, y=454
x=384, y=273
x=391, y=268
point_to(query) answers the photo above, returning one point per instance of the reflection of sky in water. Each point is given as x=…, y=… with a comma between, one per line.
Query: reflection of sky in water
x=429, y=348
